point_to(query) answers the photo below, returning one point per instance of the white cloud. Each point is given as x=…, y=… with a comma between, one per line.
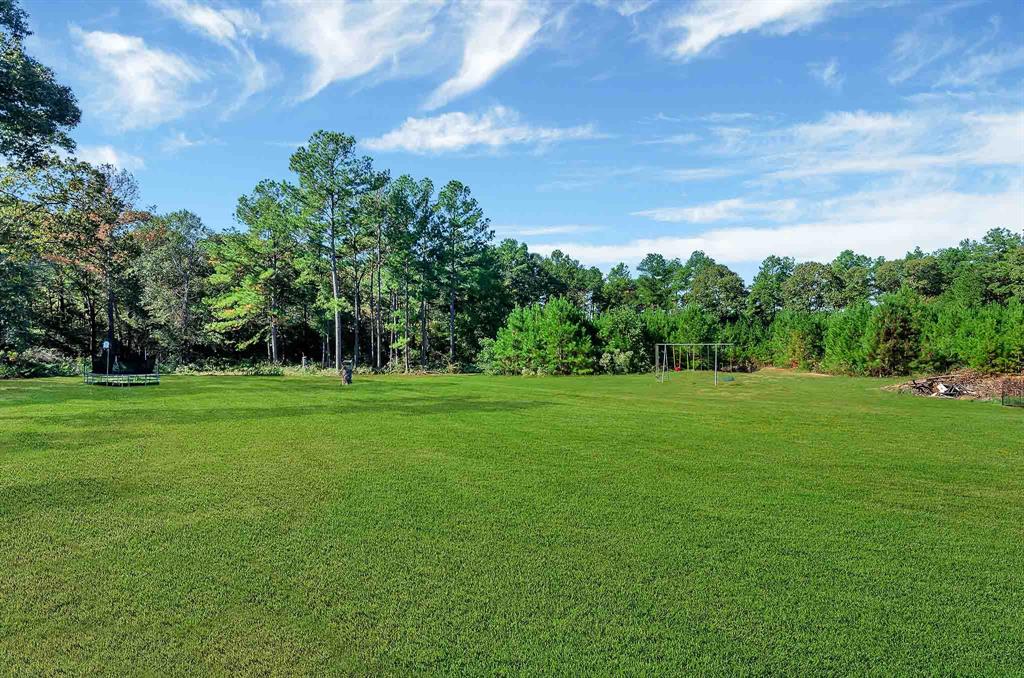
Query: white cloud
x=673, y=140
x=527, y=231
x=494, y=128
x=848, y=143
x=700, y=173
x=878, y=224
x=626, y=8
x=497, y=33
x=915, y=50
x=586, y=177
x=661, y=117
x=935, y=38
x=883, y=183
x=179, y=141
x=722, y=210
x=226, y=26
x=842, y=124
x=230, y=28
x=346, y=40
x=108, y=155
x=141, y=86
x=731, y=139
x=993, y=139
x=982, y=67
x=704, y=22
x=828, y=73
x=865, y=143
x=730, y=117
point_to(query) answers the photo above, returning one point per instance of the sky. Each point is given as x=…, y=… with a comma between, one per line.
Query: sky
x=604, y=128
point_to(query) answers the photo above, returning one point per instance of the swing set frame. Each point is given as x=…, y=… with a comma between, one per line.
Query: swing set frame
x=686, y=356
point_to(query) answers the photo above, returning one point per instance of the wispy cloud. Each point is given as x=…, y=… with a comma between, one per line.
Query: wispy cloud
x=879, y=182
x=735, y=116
x=699, y=25
x=346, y=40
x=231, y=29
x=495, y=128
x=916, y=49
x=980, y=68
x=661, y=117
x=108, y=155
x=882, y=223
x=864, y=143
x=140, y=86
x=699, y=173
x=179, y=141
x=828, y=73
x=626, y=8
x=723, y=210
x=969, y=58
x=534, y=231
x=496, y=34
x=674, y=140
x=588, y=177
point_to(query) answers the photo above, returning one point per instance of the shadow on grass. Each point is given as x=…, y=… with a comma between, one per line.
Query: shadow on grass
x=60, y=391
x=73, y=437
x=63, y=493
x=403, y=407
x=123, y=420
x=50, y=392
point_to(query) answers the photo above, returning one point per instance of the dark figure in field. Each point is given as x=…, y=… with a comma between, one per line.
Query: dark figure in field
x=346, y=373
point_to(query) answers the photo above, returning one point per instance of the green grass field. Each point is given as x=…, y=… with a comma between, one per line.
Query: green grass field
x=780, y=523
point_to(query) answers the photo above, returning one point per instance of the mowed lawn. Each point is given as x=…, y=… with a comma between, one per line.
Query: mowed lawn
x=778, y=523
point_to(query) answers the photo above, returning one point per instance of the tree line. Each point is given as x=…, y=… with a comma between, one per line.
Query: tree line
x=343, y=262
x=960, y=306
x=340, y=260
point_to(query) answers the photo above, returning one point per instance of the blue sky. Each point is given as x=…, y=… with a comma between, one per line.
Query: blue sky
x=607, y=129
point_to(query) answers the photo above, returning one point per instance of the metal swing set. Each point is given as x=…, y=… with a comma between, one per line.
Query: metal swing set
x=691, y=357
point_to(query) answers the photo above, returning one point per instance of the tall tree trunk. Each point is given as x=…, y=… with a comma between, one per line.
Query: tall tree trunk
x=273, y=329
x=424, y=346
x=451, y=326
x=336, y=297
x=110, y=311
x=373, y=322
x=405, y=327
x=355, y=324
x=186, y=318
x=393, y=328
x=90, y=303
x=273, y=340
x=61, y=303
x=376, y=317
x=452, y=282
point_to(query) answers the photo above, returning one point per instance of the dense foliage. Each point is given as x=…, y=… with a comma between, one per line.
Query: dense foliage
x=340, y=260
x=395, y=275
x=36, y=112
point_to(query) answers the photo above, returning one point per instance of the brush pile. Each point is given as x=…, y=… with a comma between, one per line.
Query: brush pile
x=965, y=385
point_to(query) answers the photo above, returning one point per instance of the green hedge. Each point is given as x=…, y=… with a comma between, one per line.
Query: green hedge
x=38, y=362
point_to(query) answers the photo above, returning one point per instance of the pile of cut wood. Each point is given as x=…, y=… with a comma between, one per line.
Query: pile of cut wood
x=943, y=386
x=967, y=385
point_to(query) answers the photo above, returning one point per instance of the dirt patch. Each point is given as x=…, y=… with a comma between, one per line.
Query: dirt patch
x=962, y=385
